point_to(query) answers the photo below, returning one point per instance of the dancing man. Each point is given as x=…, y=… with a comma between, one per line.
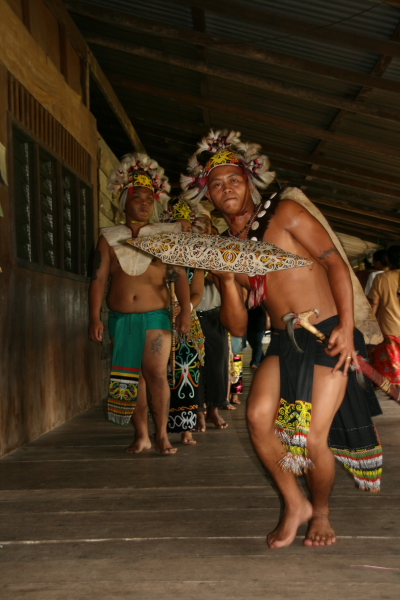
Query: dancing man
x=310, y=399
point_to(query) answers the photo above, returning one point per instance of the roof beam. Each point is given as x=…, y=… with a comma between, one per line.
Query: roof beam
x=359, y=211
x=364, y=234
x=294, y=26
x=248, y=80
x=199, y=24
x=319, y=190
x=377, y=226
x=74, y=35
x=114, y=102
x=369, y=188
x=351, y=200
x=273, y=151
x=244, y=50
x=255, y=116
x=395, y=3
x=379, y=69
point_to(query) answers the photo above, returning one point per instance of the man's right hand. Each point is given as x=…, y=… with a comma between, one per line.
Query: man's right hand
x=96, y=330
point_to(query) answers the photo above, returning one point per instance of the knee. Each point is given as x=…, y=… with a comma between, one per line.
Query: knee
x=258, y=418
x=155, y=377
x=317, y=442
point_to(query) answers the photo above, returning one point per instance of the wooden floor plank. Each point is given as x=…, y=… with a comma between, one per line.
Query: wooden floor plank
x=81, y=519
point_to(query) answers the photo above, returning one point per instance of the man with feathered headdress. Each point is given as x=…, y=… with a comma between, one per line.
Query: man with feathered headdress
x=309, y=398
x=138, y=299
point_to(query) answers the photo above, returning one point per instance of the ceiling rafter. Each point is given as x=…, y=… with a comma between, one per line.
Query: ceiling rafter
x=379, y=69
x=274, y=151
x=262, y=83
x=242, y=49
x=368, y=188
x=359, y=220
x=354, y=209
x=318, y=189
x=350, y=185
x=364, y=233
x=295, y=26
x=255, y=116
x=88, y=59
x=199, y=24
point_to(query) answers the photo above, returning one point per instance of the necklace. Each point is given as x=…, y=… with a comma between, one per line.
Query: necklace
x=248, y=224
x=137, y=222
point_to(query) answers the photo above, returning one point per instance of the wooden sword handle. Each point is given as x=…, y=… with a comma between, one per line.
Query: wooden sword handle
x=307, y=325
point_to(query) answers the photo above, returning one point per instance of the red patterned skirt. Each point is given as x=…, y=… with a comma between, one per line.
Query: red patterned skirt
x=386, y=358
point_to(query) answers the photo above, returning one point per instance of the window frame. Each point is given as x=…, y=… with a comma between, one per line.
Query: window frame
x=61, y=166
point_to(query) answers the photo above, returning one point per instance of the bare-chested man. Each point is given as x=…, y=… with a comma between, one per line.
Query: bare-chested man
x=229, y=179
x=139, y=319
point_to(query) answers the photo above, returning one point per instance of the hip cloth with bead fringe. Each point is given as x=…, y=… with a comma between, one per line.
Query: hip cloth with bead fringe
x=353, y=438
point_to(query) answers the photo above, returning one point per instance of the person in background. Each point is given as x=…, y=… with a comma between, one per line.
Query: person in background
x=256, y=327
x=185, y=378
x=363, y=275
x=384, y=297
x=379, y=261
x=235, y=370
x=216, y=368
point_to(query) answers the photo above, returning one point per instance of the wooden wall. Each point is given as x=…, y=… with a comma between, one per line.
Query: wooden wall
x=109, y=207
x=109, y=215
x=49, y=371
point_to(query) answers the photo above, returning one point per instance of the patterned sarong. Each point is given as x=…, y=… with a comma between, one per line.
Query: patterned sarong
x=129, y=331
x=386, y=358
x=353, y=438
x=185, y=387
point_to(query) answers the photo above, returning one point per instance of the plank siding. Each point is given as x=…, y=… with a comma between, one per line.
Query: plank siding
x=49, y=371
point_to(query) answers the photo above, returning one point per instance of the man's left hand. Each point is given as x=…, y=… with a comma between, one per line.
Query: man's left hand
x=341, y=342
x=182, y=323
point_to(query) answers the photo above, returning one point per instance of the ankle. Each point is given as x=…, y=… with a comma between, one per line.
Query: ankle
x=321, y=511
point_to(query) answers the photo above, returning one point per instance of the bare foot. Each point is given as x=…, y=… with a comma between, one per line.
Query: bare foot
x=235, y=399
x=229, y=406
x=139, y=445
x=163, y=446
x=319, y=532
x=187, y=438
x=286, y=531
x=201, y=422
x=214, y=417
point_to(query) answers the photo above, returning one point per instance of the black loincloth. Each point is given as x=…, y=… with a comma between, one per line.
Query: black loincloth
x=353, y=437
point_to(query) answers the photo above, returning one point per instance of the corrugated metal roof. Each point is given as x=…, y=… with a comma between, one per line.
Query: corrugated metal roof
x=368, y=17
x=173, y=13
x=170, y=126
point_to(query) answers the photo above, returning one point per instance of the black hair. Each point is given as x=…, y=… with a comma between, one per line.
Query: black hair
x=367, y=264
x=381, y=256
x=393, y=254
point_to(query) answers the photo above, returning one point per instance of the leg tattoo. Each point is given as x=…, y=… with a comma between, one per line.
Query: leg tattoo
x=151, y=407
x=157, y=344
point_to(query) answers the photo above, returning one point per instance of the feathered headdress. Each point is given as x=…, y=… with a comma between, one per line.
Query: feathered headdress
x=139, y=170
x=224, y=148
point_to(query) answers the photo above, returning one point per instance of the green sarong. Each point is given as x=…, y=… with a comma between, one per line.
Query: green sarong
x=129, y=332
